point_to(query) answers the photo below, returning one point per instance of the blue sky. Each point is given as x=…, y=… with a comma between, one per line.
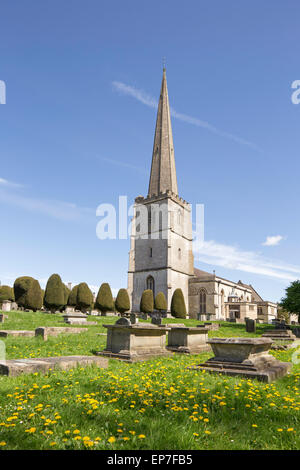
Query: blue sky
x=78, y=124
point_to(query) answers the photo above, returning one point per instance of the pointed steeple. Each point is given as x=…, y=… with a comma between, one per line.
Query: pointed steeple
x=163, y=171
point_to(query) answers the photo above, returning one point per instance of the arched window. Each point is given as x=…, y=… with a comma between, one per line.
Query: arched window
x=179, y=253
x=150, y=283
x=222, y=302
x=202, y=301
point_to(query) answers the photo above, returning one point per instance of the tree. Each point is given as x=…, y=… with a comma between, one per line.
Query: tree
x=28, y=293
x=146, y=305
x=104, y=301
x=122, y=303
x=160, y=302
x=85, y=298
x=178, y=309
x=21, y=286
x=291, y=301
x=66, y=295
x=34, y=298
x=54, y=294
x=283, y=315
x=6, y=293
x=73, y=297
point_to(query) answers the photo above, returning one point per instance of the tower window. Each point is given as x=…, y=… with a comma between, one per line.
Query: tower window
x=179, y=253
x=150, y=253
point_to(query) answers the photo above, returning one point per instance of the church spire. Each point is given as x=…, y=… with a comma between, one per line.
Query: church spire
x=163, y=171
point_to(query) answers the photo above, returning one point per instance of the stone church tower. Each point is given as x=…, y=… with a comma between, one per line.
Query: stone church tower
x=161, y=256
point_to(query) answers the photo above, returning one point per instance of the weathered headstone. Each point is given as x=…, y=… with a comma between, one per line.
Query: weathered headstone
x=45, y=332
x=134, y=318
x=156, y=319
x=250, y=325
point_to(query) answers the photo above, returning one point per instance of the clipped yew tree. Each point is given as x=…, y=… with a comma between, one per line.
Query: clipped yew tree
x=21, y=286
x=146, y=305
x=178, y=309
x=85, y=298
x=34, y=298
x=66, y=294
x=72, y=299
x=104, y=301
x=6, y=293
x=54, y=294
x=160, y=302
x=28, y=293
x=122, y=303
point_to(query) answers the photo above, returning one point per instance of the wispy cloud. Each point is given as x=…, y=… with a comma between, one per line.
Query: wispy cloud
x=124, y=164
x=273, y=240
x=9, y=184
x=57, y=209
x=232, y=257
x=150, y=101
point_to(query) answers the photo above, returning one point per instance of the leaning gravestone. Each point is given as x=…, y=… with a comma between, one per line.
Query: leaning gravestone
x=250, y=325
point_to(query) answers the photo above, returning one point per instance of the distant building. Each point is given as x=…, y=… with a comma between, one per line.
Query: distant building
x=161, y=252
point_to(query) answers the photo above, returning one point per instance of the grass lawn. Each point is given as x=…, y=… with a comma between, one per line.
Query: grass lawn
x=156, y=404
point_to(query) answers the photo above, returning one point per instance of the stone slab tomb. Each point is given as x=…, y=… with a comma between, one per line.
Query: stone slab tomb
x=246, y=357
x=14, y=367
x=77, y=318
x=280, y=335
x=188, y=340
x=45, y=332
x=6, y=333
x=134, y=342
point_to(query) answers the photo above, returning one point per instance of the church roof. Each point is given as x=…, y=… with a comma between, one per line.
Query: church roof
x=256, y=297
x=202, y=274
x=163, y=171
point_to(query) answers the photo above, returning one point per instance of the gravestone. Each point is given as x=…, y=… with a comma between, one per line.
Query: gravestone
x=156, y=319
x=250, y=325
x=134, y=318
x=6, y=306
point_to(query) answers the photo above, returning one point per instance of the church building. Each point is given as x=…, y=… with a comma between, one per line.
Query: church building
x=161, y=252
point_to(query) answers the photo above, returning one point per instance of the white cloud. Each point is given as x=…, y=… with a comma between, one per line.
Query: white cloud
x=9, y=184
x=273, y=240
x=148, y=100
x=124, y=164
x=58, y=209
x=232, y=257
